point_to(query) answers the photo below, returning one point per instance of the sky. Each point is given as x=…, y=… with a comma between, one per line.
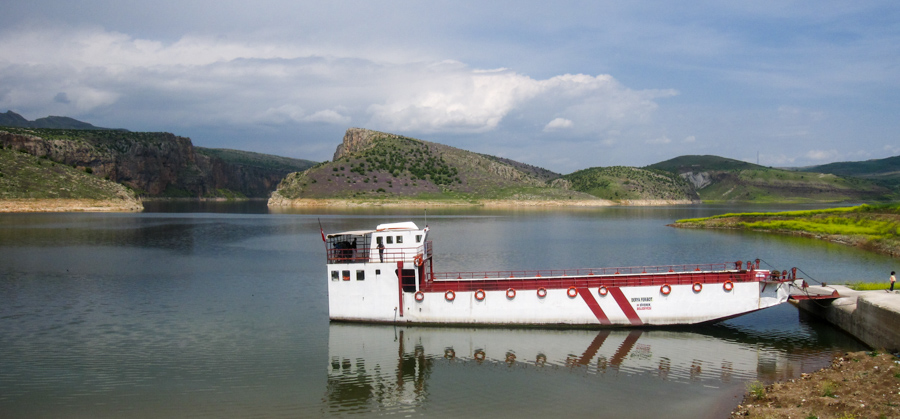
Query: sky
x=560, y=85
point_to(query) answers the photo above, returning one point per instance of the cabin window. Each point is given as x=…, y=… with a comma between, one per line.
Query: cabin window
x=378, y=272
x=379, y=240
x=360, y=275
x=335, y=276
x=346, y=275
x=418, y=238
x=390, y=240
x=399, y=239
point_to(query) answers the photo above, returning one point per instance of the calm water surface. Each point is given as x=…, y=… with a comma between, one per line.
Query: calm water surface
x=221, y=311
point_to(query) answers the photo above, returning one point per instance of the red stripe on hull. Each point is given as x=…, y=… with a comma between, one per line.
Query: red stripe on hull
x=625, y=306
x=593, y=305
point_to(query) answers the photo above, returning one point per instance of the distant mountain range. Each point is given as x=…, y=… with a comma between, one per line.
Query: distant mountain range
x=12, y=119
x=372, y=165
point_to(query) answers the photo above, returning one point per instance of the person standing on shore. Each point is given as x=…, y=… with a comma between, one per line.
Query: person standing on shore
x=893, y=279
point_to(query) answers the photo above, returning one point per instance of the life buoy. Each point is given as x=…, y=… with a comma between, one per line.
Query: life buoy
x=697, y=287
x=449, y=353
x=420, y=296
x=541, y=292
x=602, y=291
x=450, y=295
x=418, y=260
x=479, y=355
x=479, y=295
x=665, y=289
x=572, y=292
x=510, y=293
x=728, y=286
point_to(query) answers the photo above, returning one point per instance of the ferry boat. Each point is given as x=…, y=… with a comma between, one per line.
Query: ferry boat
x=386, y=275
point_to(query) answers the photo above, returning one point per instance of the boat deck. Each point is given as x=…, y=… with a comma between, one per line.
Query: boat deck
x=591, y=278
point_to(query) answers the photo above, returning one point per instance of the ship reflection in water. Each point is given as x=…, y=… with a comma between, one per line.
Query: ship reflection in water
x=507, y=372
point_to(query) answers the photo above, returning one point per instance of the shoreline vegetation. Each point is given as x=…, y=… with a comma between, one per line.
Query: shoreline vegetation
x=871, y=227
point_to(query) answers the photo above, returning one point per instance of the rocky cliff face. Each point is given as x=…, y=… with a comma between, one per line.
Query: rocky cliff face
x=700, y=180
x=154, y=164
x=356, y=140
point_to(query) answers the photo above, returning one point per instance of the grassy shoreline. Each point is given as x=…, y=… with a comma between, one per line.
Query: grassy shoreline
x=871, y=227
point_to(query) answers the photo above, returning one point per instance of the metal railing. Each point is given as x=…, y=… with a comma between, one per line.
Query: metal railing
x=368, y=255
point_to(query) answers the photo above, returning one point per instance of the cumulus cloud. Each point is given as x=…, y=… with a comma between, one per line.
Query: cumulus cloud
x=689, y=139
x=328, y=116
x=213, y=81
x=558, y=124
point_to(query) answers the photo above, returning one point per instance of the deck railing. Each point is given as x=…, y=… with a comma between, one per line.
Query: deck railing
x=582, y=272
x=367, y=255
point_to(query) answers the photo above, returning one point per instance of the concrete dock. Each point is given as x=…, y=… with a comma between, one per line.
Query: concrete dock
x=871, y=316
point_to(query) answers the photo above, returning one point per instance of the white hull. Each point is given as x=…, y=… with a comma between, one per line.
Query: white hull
x=369, y=290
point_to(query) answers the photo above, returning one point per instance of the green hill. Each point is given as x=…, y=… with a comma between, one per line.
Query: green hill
x=885, y=172
x=718, y=179
x=621, y=182
x=258, y=160
x=683, y=164
x=23, y=175
x=375, y=165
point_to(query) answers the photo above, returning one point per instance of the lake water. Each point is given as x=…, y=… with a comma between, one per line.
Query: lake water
x=218, y=310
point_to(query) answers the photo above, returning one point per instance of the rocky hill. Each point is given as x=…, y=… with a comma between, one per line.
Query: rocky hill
x=25, y=179
x=372, y=165
x=154, y=164
x=718, y=179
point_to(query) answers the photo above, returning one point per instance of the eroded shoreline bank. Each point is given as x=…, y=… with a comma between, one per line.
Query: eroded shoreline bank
x=69, y=205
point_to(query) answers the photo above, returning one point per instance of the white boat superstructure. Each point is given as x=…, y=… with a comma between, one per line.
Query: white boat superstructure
x=387, y=275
